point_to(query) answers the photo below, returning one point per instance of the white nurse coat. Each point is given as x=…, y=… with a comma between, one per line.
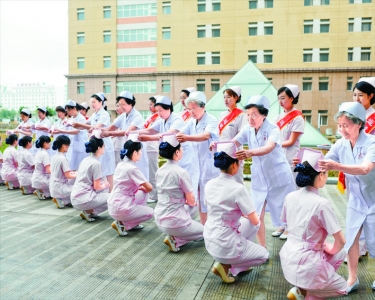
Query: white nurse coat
x=24, y=126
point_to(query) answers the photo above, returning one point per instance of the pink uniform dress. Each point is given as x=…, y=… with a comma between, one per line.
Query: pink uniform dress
x=1, y=167
x=83, y=196
x=228, y=236
x=310, y=220
x=26, y=163
x=40, y=178
x=9, y=169
x=171, y=217
x=126, y=203
x=60, y=186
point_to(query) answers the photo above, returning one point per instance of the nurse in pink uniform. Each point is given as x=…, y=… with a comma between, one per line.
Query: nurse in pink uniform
x=26, y=165
x=60, y=186
x=1, y=163
x=90, y=190
x=308, y=261
x=174, y=192
x=127, y=203
x=42, y=172
x=10, y=163
x=232, y=222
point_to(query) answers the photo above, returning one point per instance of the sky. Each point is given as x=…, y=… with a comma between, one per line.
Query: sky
x=33, y=42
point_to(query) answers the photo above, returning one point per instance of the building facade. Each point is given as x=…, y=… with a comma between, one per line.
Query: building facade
x=160, y=47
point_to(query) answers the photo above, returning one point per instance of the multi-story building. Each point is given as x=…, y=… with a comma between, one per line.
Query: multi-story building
x=160, y=47
x=29, y=95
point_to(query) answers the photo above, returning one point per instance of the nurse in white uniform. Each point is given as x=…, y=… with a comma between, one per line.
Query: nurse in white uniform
x=42, y=172
x=99, y=120
x=354, y=155
x=25, y=127
x=271, y=176
x=90, y=190
x=78, y=137
x=232, y=221
x=26, y=165
x=59, y=124
x=118, y=141
x=42, y=126
x=10, y=163
x=202, y=130
x=84, y=110
x=60, y=183
x=130, y=120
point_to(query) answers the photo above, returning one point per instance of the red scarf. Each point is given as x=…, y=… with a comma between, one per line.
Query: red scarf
x=185, y=115
x=370, y=123
x=288, y=118
x=229, y=118
x=151, y=120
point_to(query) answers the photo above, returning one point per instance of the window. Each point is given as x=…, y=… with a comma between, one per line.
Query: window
x=201, y=31
x=308, y=26
x=166, y=8
x=350, y=54
x=307, y=55
x=324, y=54
x=80, y=63
x=216, y=5
x=201, y=5
x=215, y=85
x=307, y=115
x=136, y=61
x=365, y=54
x=137, y=87
x=351, y=1
x=215, y=30
x=324, y=2
x=166, y=85
x=201, y=58
x=80, y=87
x=201, y=85
x=106, y=12
x=351, y=24
x=306, y=83
x=323, y=83
x=166, y=60
x=323, y=117
x=252, y=55
x=106, y=36
x=215, y=58
x=80, y=37
x=136, y=35
x=268, y=55
x=308, y=2
x=268, y=3
x=106, y=62
x=136, y=10
x=268, y=28
x=366, y=24
x=366, y=1
x=253, y=4
x=166, y=33
x=106, y=87
x=253, y=29
x=324, y=25
x=349, y=83
x=80, y=14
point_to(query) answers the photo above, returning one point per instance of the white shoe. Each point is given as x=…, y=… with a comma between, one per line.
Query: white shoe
x=137, y=227
x=373, y=285
x=171, y=243
x=149, y=200
x=39, y=194
x=283, y=236
x=119, y=228
x=353, y=287
x=85, y=216
x=59, y=203
x=295, y=294
x=277, y=233
x=9, y=185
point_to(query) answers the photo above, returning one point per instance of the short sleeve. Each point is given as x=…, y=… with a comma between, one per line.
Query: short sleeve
x=29, y=158
x=118, y=121
x=90, y=119
x=328, y=219
x=242, y=136
x=370, y=155
x=212, y=128
x=298, y=125
x=274, y=135
x=244, y=202
x=333, y=152
x=104, y=119
x=46, y=159
x=185, y=182
x=47, y=123
x=157, y=125
x=137, y=176
x=187, y=128
x=137, y=121
x=97, y=171
x=177, y=124
x=65, y=165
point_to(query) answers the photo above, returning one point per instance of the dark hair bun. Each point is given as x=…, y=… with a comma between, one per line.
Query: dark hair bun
x=306, y=174
x=88, y=147
x=54, y=145
x=11, y=139
x=93, y=144
x=167, y=151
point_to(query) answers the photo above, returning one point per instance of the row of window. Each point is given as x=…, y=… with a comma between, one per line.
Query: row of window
x=150, y=9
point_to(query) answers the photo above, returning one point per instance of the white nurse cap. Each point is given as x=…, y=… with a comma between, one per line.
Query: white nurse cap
x=84, y=105
x=236, y=89
x=71, y=103
x=100, y=95
x=163, y=100
x=133, y=136
x=370, y=80
x=259, y=100
x=170, y=139
x=191, y=89
x=42, y=108
x=294, y=89
x=228, y=147
x=26, y=111
x=125, y=94
x=197, y=96
x=311, y=156
x=355, y=108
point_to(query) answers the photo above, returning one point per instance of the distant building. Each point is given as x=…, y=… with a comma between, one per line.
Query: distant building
x=29, y=95
x=160, y=47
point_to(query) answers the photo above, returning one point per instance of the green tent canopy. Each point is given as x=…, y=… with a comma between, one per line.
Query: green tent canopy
x=253, y=82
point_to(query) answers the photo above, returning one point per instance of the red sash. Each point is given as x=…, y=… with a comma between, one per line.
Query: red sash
x=229, y=118
x=288, y=118
x=185, y=115
x=370, y=123
x=151, y=120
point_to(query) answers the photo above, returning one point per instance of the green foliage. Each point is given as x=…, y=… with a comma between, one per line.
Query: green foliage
x=7, y=114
